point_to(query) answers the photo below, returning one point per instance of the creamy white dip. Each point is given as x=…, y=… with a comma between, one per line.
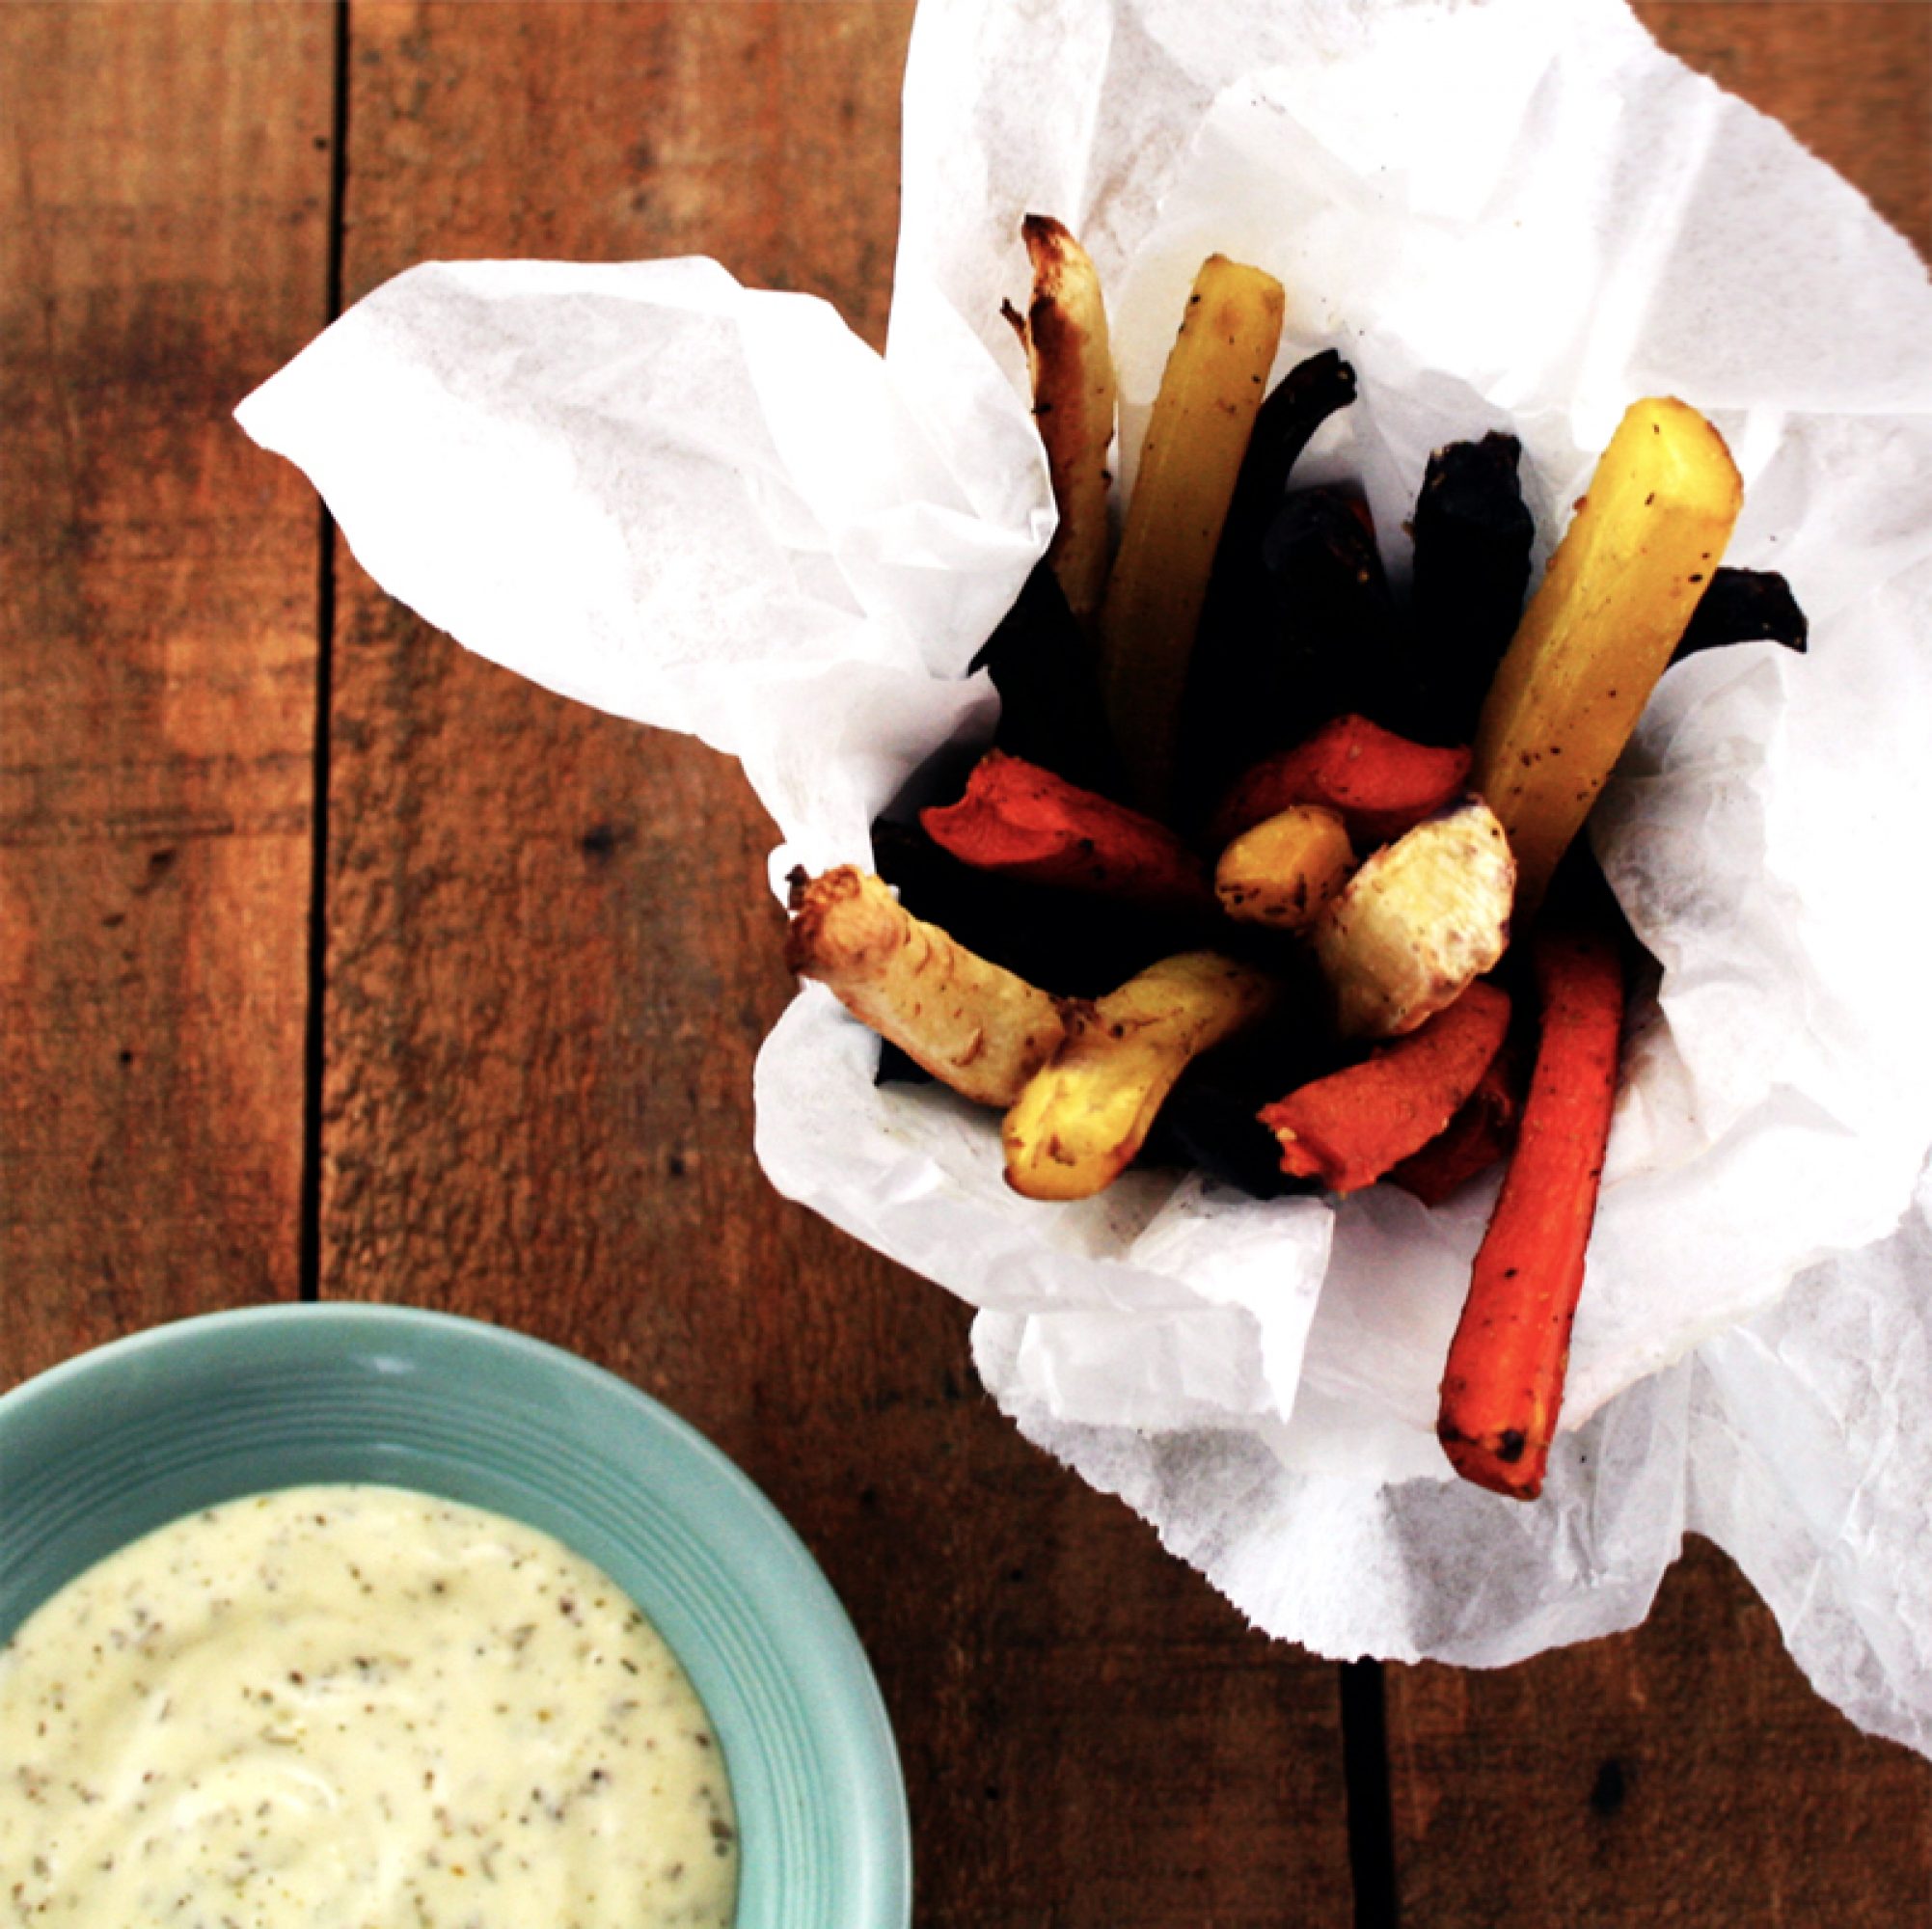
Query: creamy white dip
x=355, y=1708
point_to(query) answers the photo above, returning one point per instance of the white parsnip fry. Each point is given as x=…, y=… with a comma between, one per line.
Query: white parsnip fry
x=1082, y=1118
x=974, y=1026
x=1065, y=334
x=1419, y=922
x=1203, y=416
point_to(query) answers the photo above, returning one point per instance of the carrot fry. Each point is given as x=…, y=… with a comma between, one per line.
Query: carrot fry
x=1478, y=1137
x=1503, y=1384
x=1616, y=597
x=1196, y=436
x=1025, y=822
x=1744, y=606
x=1347, y=1129
x=1473, y=534
x=1378, y=783
x=1284, y=871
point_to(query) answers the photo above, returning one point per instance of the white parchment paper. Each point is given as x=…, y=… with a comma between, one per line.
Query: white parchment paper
x=713, y=508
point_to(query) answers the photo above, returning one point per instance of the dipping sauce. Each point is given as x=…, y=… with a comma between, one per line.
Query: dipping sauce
x=355, y=1708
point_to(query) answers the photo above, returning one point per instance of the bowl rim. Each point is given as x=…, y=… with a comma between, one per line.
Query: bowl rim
x=867, y=1712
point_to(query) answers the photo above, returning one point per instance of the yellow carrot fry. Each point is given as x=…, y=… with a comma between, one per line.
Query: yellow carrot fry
x=1064, y=333
x=1600, y=630
x=1196, y=437
x=1283, y=870
x=1085, y=1114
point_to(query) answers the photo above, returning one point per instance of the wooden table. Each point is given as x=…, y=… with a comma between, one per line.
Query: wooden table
x=336, y=964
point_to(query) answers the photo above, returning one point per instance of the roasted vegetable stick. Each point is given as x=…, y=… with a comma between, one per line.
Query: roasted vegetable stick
x=1064, y=334
x=1478, y=1137
x=1600, y=629
x=1504, y=1381
x=1243, y=684
x=1347, y=1129
x=1472, y=565
x=971, y=1024
x=1025, y=822
x=1378, y=783
x=1744, y=606
x=1086, y=1113
x=1343, y=644
x=1299, y=403
x=1424, y=917
x=1284, y=871
x=1203, y=416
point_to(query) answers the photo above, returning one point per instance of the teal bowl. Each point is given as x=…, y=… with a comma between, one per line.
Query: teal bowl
x=119, y=1441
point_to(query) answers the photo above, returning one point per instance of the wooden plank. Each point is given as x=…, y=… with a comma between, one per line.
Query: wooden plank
x=1850, y=78
x=1685, y=1772
x=163, y=246
x=551, y=957
x=1682, y=1773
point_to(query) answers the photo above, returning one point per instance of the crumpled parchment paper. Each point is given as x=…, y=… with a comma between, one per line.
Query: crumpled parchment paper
x=713, y=508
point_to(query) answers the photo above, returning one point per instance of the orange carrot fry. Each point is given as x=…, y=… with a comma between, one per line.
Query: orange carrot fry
x=1025, y=822
x=1380, y=783
x=1504, y=1381
x=1478, y=1137
x=1347, y=1129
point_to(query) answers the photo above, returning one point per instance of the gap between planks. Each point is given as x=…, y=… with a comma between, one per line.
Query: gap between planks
x=314, y=1044
x=1370, y=1798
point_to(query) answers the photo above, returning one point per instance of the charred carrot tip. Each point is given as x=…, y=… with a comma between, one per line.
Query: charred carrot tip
x=1510, y=1464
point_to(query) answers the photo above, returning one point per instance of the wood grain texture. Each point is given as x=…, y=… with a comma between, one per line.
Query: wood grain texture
x=1852, y=79
x=164, y=181
x=553, y=954
x=1685, y=1772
